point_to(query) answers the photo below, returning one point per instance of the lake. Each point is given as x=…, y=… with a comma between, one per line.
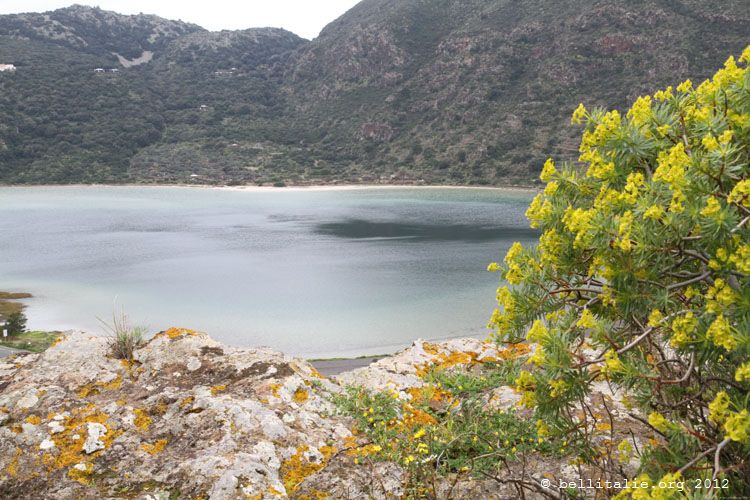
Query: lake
x=314, y=273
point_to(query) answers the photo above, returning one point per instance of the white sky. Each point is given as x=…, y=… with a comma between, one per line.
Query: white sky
x=304, y=17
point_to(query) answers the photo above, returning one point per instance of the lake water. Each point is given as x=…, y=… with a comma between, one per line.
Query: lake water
x=314, y=273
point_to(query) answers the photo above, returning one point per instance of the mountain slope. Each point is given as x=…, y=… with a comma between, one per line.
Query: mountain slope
x=481, y=91
x=436, y=91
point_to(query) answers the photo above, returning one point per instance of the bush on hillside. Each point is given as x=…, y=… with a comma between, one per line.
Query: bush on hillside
x=642, y=278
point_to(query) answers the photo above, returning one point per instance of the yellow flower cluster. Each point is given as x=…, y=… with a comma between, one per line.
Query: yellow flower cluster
x=743, y=372
x=741, y=259
x=682, y=330
x=612, y=363
x=578, y=115
x=640, y=113
x=537, y=333
x=539, y=211
x=654, y=212
x=671, y=169
x=578, y=221
x=718, y=409
x=550, y=246
x=720, y=332
x=719, y=296
x=655, y=318
x=632, y=188
x=624, y=229
x=740, y=194
x=658, y=422
x=712, y=208
x=737, y=427
x=559, y=386
x=587, y=320
x=664, y=95
x=548, y=171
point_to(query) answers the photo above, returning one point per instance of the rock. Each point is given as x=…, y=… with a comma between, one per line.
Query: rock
x=236, y=423
x=47, y=444
x=93, y=440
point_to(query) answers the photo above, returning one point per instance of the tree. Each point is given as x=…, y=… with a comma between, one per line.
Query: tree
x=642, y=278
x=16, y=323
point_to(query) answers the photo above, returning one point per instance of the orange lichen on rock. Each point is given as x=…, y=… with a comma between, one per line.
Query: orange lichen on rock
x=12, y=467
x=153, y=449
x=142, y=419
x=429, y=394
x=300, y=396
x=174, y=333
x=94, y=388
x=33, y=419
x=513, y=351
x=415, y=417
x=69, y=443
x=297, y=468
x=430, y=348
x=217, y=389
x=81, y=473
x=275, y=390
x=187, y=402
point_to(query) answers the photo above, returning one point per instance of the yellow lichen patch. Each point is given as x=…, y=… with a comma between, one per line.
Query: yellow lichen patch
x=153, y=449
x=300, y=396
x=174, y=333
x=314, y=495
x=430, y=348
x=446, y=361
x=273, y=491
x=121, y=402
x=414, y=417
x=33, y=419
x=69, y=442
x=217, y=389
x=514, y=351
x=159, y=409
x=297, y=468
x=142, y=419
x=94, y=388
x=81, y=473
x=187, y=402
x=57, y=340
x=16, y=429
x=429, y=394
x=316, y=373
x=275, y=390
x=12, y=467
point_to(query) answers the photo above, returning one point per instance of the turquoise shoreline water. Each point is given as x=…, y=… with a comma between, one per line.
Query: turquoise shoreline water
x=318, y=273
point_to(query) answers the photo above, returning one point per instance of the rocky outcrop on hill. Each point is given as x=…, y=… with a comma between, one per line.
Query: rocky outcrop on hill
x=190, y=418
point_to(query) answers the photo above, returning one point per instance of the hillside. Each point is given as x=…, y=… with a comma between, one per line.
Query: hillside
x=439, y=91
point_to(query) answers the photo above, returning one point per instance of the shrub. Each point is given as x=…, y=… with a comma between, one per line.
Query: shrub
x=124, y=339
x=16, y=323
x=641, y=277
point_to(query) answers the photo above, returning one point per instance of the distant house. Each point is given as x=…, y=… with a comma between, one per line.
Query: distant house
x=203, y=107
x=7, y=67
x=114, y=70
x=99, y=70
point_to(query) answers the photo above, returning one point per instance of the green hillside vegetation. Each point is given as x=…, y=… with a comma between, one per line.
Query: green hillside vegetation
x=440, y=91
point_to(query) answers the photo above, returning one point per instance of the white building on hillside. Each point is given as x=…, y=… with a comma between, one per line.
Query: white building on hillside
x=7, y=67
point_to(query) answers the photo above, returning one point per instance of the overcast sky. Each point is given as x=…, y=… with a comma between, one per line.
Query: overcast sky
x=303, y=17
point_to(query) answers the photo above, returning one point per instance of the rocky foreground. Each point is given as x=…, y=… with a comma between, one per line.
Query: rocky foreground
x=191, y=418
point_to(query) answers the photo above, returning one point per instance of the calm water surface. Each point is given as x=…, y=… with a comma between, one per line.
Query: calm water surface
x=312, y=273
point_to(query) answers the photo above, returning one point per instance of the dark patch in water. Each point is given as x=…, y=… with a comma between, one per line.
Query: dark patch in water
x=362, y=229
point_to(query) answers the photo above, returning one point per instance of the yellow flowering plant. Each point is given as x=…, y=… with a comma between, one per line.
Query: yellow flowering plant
x=642, y=275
